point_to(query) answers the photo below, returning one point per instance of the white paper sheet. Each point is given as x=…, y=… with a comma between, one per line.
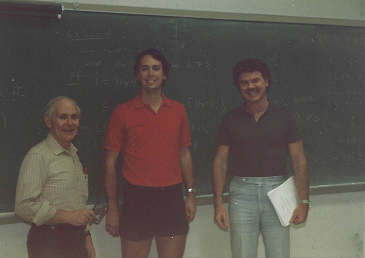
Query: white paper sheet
x=285, y=200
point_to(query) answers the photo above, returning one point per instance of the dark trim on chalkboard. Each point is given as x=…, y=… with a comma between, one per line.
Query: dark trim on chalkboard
x=317, y=190
x=212, y=15
x=10, y=218
x=345, y=188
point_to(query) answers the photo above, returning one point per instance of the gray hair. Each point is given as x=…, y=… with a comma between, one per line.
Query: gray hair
x=51, y=105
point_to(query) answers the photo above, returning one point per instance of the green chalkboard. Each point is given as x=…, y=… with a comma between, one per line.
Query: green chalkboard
x=318, y=73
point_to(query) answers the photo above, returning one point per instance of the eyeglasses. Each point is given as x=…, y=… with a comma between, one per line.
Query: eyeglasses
x=103, y=212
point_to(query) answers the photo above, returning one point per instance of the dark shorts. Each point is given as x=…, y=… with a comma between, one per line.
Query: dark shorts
x=60, y=241
x=149, y=211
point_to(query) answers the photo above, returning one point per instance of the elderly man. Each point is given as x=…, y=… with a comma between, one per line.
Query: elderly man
x=52, y=190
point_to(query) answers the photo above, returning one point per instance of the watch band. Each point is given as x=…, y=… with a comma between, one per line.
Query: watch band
x=192, y=190
x=308, y=202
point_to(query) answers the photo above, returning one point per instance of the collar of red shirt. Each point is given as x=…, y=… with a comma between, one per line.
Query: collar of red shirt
x=138, y=102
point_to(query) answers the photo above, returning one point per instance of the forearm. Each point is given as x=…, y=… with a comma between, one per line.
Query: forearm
x=111, y=187
x=186, y=164
x=219, y=174
x=300, y=168
x=219, y=177
x=110, y=179
x=301, y=178
x=187, y=168
x=61, y=216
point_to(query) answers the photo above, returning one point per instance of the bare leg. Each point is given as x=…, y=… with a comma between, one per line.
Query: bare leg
x=171, y=247
x=132, y=249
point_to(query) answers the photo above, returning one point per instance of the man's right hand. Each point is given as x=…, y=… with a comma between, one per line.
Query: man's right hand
x=81, y=217
x=220, y=217
x=112, y=222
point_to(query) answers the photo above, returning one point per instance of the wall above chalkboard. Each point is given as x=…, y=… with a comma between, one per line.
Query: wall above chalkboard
x=317, y=70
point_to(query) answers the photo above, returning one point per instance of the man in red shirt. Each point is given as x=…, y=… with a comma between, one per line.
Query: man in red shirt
x=153, y=134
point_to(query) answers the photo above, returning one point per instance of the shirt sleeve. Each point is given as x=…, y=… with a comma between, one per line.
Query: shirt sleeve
x=185, y=134
x=114, y=132
x=28, y=203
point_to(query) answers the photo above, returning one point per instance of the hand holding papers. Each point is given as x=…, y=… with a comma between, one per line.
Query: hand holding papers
x=285, y=200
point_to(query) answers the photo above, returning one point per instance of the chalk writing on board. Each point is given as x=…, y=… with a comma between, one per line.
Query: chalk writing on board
x=301, y=99
x=345, y=41
x=112, y=50
x=194, y=145
x=207, y=103
x=271, y=59
x=337, y=125
x=93, y=64
x=352, y=156
x=163, y=48
x=280, y=101
x=80, y=78
x=174, y=65
x=354, y=126
x=17, y=92
x=203, y=128
x=84, y=35
x=105, y=107
x=314, y=118
x=121, y=64
x=199, y=64
x=2, y=93
x=85, y=49
x=346, y=140
x=102, y=82
x=350, y=102
x=348, y=77
x=76, y=78
x=99, y=127
x=332, y=91
x=346, y=61
x=125, y=83
x=351, y=125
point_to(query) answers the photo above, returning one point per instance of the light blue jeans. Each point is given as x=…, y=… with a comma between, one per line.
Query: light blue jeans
x=251, y=212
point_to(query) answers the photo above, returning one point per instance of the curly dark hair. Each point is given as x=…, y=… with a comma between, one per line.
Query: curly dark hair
x=248, y=66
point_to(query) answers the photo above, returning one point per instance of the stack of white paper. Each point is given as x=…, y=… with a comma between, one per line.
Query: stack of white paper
x=285, y=200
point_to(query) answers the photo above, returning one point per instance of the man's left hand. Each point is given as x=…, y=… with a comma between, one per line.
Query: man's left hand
x=300, y=214
x=190, y=207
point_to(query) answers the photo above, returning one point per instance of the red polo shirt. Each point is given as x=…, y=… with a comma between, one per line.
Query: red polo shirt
x=150, y=142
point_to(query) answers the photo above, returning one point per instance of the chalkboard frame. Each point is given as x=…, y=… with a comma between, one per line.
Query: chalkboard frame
x=211, y=15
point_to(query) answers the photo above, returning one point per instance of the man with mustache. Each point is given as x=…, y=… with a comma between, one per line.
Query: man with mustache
x=257, y=136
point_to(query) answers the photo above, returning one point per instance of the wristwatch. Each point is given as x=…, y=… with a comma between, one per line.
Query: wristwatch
x=192, y=190
x=308, y=202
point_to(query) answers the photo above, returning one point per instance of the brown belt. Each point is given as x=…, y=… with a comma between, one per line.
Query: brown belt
x=63, y=226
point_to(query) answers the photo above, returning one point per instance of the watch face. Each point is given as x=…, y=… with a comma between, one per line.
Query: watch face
x=306, y=202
